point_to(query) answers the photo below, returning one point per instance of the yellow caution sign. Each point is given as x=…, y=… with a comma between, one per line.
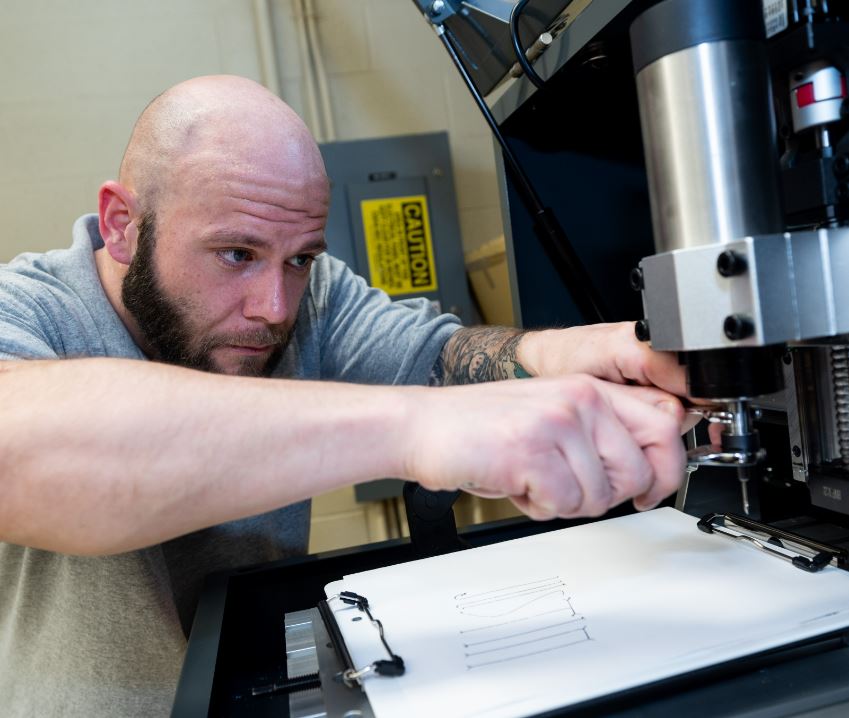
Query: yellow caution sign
x=398, y=243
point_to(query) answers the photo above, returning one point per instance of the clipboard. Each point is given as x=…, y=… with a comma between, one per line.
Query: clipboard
x=610, y=554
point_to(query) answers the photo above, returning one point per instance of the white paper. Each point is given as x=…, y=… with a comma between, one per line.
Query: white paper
x=530, y=625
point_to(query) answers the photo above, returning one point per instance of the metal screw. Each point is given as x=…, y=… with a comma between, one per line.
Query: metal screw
x=635, y=279
x=738, y=326
x=797, y=452
x=436, y=7
x=641, y=329
x=787, y=358
x=730, y=263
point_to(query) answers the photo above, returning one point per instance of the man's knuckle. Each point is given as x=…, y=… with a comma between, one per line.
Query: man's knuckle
x=584, y=393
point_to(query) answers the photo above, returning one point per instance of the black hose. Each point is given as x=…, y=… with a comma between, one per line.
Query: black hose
x=515, y=16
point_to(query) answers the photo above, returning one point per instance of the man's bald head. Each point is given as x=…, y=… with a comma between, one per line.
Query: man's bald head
x=217, y=119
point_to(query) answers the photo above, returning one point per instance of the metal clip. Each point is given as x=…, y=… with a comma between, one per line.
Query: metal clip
x=351, y=676
x=803, y=553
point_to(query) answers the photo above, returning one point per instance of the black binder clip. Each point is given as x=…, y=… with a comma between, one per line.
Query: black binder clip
x=803, y=553
x=390, y=667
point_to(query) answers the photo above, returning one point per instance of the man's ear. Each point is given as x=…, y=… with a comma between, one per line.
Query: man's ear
x=118, y=212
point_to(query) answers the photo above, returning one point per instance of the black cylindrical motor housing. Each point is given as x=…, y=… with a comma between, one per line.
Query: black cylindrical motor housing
x=675, y=25
x=733, y=373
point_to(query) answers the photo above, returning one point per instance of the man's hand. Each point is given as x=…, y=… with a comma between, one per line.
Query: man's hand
x=606, y=351
x=559, y=447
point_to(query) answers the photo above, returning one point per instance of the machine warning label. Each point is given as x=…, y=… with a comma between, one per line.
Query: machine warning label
x=775, y=16
x=399, y=245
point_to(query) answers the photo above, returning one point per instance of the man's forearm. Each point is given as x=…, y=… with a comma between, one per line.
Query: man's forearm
x=104, y=455
x=476, y=354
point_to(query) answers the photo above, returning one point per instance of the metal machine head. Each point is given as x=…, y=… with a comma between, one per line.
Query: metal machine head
x=746, y=140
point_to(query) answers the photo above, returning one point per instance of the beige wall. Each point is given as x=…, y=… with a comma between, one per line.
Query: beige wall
x=75, y=73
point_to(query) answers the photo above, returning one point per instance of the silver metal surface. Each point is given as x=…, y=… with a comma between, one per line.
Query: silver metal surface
x=840, y=383
x=499, y=9
x=707, y=126
x=737, y=417
x=540, y=45
x=301, y=658
x=689, y=469
x=743, y=477
x=799, y=464
x=710, y=456
x=307, y=704
x=333, y=698
x=827, y=85
x=792, y=290
x=712, y=414
x=740, y=421
x=786, y=550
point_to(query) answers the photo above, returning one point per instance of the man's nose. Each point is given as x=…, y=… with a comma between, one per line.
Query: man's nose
x=266, y=299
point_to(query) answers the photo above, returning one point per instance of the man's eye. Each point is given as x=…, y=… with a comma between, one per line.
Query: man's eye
x=235, y=256
x=301, y=261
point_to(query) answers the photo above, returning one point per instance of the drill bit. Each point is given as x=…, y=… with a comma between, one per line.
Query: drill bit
x=743, y=477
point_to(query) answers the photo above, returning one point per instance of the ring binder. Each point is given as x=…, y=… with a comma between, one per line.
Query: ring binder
x=391, y=667
x=774, y=541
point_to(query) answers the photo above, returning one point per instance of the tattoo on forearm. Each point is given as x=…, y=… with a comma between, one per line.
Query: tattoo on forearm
x=478, y=354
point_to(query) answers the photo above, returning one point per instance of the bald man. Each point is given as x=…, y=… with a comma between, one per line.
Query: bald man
x=147, y=447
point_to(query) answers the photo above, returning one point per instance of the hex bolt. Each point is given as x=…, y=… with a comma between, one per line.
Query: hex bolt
x=635, y=279
x=738, y=326
x=641, y=329
x=731, y=263
x=437, y=6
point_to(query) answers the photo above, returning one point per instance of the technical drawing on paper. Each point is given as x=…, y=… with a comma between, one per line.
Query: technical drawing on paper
x=513, y=622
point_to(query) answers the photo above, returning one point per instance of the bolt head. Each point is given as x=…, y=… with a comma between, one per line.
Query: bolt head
x=641, y=330
x=730, y=263
x=738, y=326
x=635, y=279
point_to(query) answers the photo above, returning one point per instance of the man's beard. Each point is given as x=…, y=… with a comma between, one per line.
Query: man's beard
x=165, y=326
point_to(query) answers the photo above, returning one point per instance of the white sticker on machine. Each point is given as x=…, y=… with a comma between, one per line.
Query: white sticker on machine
x=775, y=16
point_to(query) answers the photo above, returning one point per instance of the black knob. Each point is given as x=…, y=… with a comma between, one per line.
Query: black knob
x=641, y=329
x=738, y=326
x=730, y=263
x=635, y=278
